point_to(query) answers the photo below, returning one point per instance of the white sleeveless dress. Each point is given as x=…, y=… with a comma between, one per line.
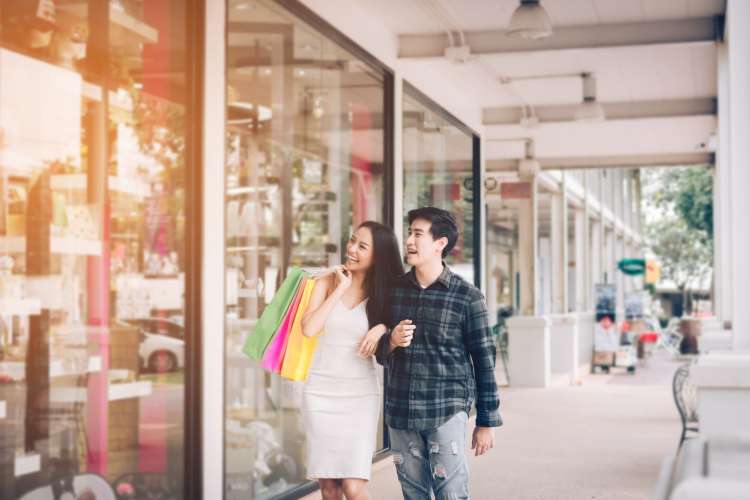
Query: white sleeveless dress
x=341, y=400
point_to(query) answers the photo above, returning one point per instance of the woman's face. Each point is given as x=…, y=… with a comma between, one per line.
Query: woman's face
x=359, y=251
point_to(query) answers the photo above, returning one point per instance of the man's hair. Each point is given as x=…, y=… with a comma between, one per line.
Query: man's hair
x=442, y=224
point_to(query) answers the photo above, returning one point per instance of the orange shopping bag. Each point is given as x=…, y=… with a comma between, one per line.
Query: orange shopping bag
x=299, y=349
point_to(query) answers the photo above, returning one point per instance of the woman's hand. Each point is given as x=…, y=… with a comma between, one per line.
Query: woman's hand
x=370, y=341
x=401, y=335
x=343, y=278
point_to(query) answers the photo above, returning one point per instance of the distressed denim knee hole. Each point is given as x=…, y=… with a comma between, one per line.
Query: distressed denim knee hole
x=434, y=448
x=454, y=447
x=439, y=471
x=398, y=458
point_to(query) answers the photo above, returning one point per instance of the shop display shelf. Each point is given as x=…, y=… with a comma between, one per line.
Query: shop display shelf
x=17, y=369
x=59, y=245
x=126, y=29
x=240, y=190
x=116, y=392
x=133, y=187
x=19, y=307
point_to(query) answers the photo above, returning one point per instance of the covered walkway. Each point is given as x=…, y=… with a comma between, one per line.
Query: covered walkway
x=603, y=439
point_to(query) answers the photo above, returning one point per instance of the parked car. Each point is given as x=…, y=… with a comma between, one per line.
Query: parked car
x=162, y=347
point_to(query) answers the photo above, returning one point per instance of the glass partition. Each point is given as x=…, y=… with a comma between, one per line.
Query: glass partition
x=92, y=248
x=438, y=157
x=305, y=163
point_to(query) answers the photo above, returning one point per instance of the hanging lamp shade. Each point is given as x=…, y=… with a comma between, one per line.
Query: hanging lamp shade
x=589, y=110
x=530, y=21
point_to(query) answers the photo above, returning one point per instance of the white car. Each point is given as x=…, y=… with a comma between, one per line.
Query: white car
x=162, y=347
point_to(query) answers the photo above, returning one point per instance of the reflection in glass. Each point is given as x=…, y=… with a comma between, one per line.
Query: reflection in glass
x=92, y=218
x=438, y=158
x=304, y=165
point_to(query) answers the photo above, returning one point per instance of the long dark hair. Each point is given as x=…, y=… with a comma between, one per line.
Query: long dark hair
x=386, y=267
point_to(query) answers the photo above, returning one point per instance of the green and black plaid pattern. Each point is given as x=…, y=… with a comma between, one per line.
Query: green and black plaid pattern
x=451, y=361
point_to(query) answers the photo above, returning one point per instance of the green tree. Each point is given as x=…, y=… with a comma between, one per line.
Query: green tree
x=679, y=223
x=691, y=192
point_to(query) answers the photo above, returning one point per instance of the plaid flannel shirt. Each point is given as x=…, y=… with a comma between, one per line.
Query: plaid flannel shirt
x=451, y=361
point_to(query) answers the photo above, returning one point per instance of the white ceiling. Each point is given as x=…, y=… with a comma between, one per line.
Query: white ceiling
x=411, y=16
x=624, y=74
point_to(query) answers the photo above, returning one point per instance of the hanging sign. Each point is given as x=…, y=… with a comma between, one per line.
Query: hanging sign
x=632, y=267
x=653, y=271
x=515, y=190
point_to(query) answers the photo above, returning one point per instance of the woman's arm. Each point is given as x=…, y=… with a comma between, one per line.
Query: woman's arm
x=322, y=302
x=370, y=341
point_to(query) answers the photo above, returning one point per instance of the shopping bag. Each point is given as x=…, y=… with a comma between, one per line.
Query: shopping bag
x=274, y=354
x=269, y=322
x=305, y=357
x=299, y=347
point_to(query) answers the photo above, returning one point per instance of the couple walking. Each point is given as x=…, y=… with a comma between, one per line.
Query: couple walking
x=429, y=329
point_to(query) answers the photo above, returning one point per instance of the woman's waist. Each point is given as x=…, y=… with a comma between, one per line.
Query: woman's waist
x=339, y=383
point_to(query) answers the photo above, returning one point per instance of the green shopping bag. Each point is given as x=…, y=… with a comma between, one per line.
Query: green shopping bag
x=269, y=322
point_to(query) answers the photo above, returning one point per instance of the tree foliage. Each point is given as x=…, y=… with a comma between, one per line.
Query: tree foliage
x=679, y=223
x=691, y=192
x=681, y=250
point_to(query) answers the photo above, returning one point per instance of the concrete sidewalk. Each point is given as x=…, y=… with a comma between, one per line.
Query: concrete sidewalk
x=603, y=439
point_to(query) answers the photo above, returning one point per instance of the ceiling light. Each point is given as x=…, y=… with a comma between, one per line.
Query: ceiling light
x=589, y=110
x=530, y=21
x=529, y=166
x=530, y=120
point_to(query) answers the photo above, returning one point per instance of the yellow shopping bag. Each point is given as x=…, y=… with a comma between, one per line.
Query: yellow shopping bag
x=299, y=349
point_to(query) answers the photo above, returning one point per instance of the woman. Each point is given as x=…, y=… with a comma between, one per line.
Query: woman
x=342, y=396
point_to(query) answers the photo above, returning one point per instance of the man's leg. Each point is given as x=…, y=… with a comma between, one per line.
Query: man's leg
x=412, y=466
x=449, y=469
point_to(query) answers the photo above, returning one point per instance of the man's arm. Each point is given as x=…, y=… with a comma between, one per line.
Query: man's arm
x=384, y=349
x=480, y=343
x=400, y=336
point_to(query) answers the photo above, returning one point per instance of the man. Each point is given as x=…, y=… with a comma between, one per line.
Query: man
x=439, y=359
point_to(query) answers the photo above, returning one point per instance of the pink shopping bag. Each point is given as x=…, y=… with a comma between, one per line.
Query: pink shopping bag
x=274, y=355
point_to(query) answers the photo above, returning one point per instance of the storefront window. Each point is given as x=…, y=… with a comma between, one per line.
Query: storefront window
x=438, y=157
x=305, y=164
x=92, y=248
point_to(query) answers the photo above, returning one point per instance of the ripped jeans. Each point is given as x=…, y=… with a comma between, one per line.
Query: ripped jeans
x=432, y=461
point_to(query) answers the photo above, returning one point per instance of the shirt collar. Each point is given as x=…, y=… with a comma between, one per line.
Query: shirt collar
x=444, y=279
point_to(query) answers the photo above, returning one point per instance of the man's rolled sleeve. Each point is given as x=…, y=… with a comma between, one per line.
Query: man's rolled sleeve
x=381, y=351
x=481, y=346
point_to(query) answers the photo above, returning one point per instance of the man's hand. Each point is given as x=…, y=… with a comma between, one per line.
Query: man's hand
x=401, y=335
x=483, y=440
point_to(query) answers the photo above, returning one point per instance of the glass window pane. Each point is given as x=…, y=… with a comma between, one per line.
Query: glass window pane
x=92, y=240
x=304, y=165
x=438, y=159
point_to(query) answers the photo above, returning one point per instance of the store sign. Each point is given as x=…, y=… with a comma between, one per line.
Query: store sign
x=653, y=271
x=515, y=190
x=632, y=267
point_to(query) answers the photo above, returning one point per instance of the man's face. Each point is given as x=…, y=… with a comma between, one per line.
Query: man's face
x=421, y=248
